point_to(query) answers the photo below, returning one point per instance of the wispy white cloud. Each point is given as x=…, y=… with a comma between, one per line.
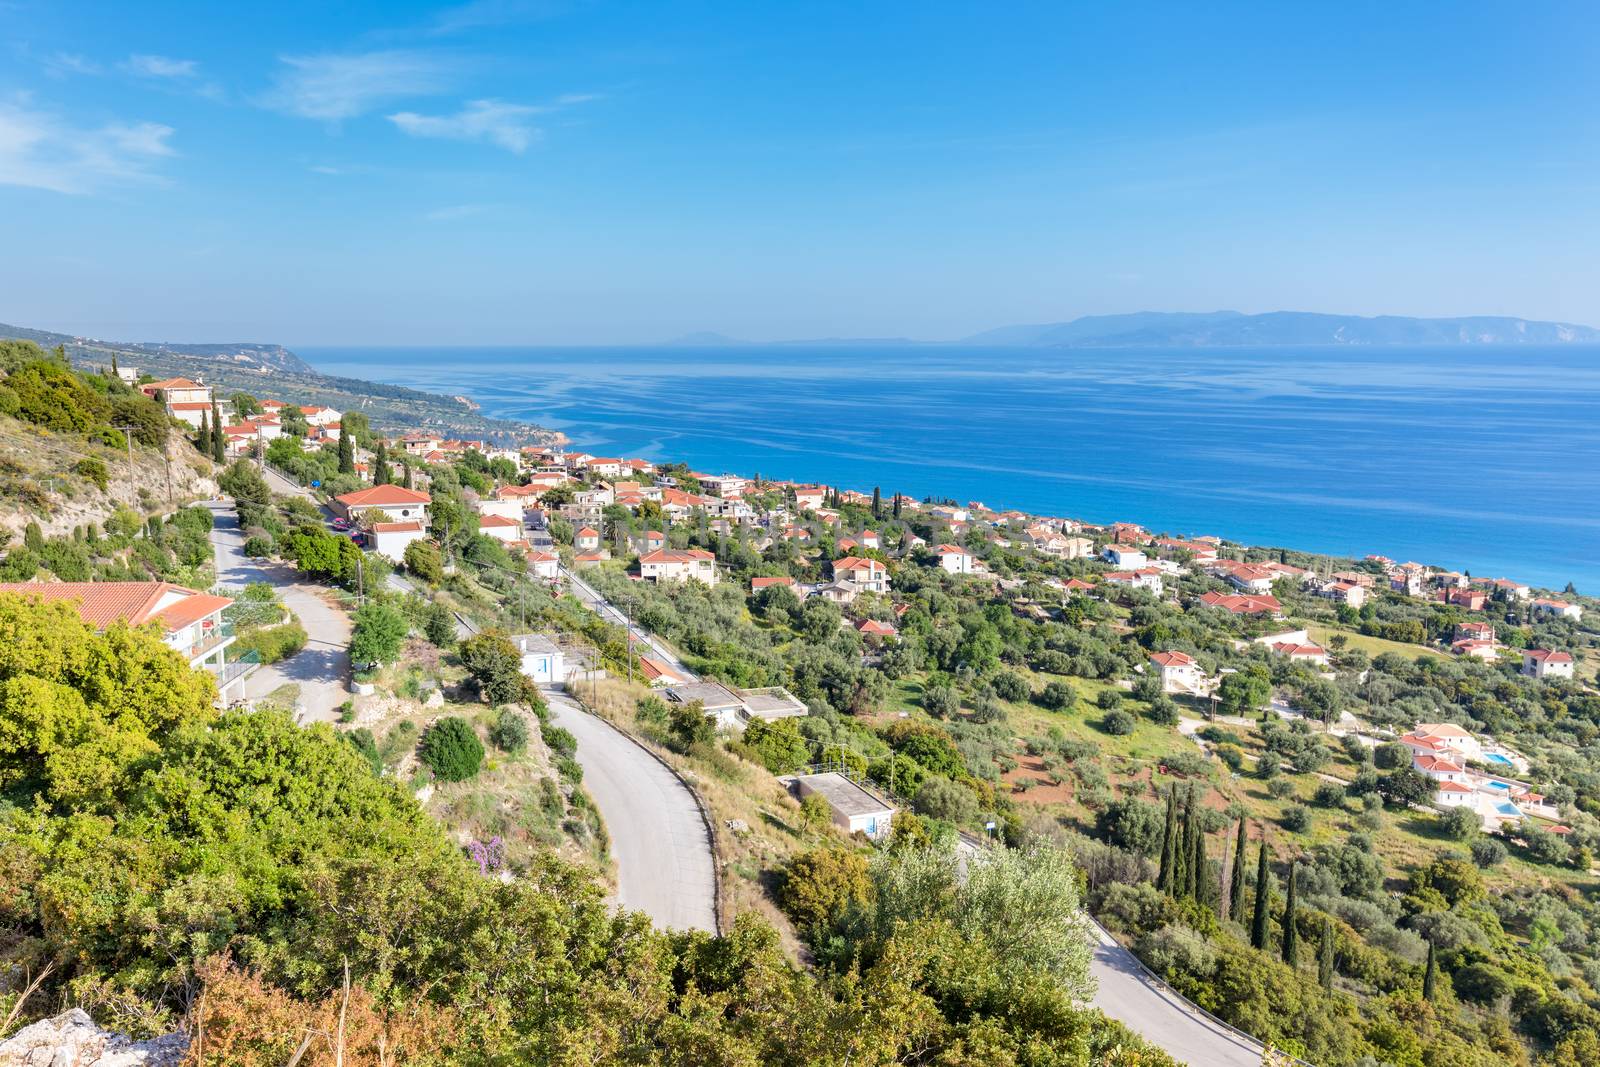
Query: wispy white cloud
x=455, y=211
x=478, y=14
x=61, y=64
x=494, y=121
x=42, y=151
x=149, y=66
x=337, y=86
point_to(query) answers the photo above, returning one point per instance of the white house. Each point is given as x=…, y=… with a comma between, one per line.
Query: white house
x=1143, y=578
x=390, y=539
x=1178, y=671
x=954, y=559
x=854, y=808
x=869, y=575
x=397, y=504
x=1124, y=556
x=542, y=662
x=586, y=539
x=320, y=416
x=505, y=505
x=191, y=622
x=500, y=528
x=1544, y=663
x=543, y=564
x=1440, y=768
x=1443, y=739
x=1559, y=608
x=678, y=564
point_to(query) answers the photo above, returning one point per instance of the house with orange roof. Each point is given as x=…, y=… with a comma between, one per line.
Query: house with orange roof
x=320, y=415
x=1244, y=604
x=190, y=622
x=954, y=559
x=678, y=565
x=874, y=628
x=869, y=575
x=1345, y=592
x=1443, y=739
x=390, y=539
x=1302, y=652
x=1440, y=768
x=1489, y=651
x=1546, y=663
x=1124, y=557
x=1178, y=671
x=1557, y=609
x=1471, y=599
x=586, y=539
x=397, y=503
x=809, y=497
x=1143, y=578
x=500, y=528
x=758, y=584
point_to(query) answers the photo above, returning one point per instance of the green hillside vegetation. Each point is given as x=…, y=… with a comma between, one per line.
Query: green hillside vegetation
x=152, y=850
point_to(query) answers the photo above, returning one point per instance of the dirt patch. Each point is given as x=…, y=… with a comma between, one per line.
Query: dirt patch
x=1043, y=789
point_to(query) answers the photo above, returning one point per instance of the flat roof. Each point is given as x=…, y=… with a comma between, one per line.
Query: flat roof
x=843, y=795
x=710, y=694
x=534, y=643
x=774, y=702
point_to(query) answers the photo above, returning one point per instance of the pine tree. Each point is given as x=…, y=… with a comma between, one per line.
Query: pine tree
x=217, y=451
x=1258, y=922
x=347, y=454
x=1325, y=959
x=1291, y=933
x=380, y=465
x=1430, y=977
x=1168, y=843
x=1236, y=888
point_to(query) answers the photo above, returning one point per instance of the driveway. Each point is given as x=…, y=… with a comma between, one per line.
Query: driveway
x=322, y=668
x=665, y=866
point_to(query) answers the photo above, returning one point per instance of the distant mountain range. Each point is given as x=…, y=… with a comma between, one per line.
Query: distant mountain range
x=1234, y=328
x=247, y=355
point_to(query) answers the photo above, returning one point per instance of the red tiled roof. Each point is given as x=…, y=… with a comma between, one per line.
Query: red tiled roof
x=497, y=520
x=1437, y=763
x=1172, y=659
x=677, y=555
x=102, y=603
x=383, y=496
x=397, y=527
x=1545, y=655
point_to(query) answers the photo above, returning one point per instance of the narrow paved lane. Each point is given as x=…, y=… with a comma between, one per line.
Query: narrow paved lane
x=322, y=668
x=665, y=866
x=1125, y=993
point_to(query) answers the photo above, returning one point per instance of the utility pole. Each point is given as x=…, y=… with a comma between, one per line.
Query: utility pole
x=630, y=644
x=127, y=436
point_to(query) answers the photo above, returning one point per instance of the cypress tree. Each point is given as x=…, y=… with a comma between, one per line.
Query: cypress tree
x=1191, y=849
x=114, y=372
x=217, y=451
x=1200, y=880
x=1236, y=887
x=1168, y=841
x=1258, y=922
x=1325, y=960
x=405, y=480
x=380, y=466
x=347, y=454
x=897, y=505
x=1430, y=977
x=204, y=440
x=877, y=503
x=1291, y=934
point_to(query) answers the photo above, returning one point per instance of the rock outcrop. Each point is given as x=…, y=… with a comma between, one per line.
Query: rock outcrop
x=72, y=1039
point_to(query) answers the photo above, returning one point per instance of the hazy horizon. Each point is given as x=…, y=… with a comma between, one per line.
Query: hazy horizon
x=519, y=173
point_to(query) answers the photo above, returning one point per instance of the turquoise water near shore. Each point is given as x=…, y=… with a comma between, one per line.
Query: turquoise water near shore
x=1478, y=458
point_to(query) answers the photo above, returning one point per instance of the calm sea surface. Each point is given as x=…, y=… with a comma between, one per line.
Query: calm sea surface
x=1485, y=459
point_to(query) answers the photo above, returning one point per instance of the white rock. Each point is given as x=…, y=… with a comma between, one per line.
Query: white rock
x=72, y=1039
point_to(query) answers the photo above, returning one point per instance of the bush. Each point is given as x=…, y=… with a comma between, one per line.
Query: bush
x=1328, y=795
x=1295, y=817
x=1132, y=824
x=1118, y=723
x=778, y=745
x=1164, y=711
x=940, y=798
x=1462, y=824
x=258, y=547
x=423, y=560
x=1232, y=755
x=820, y=885
x=1177, y=950
x=1109, y=699
x=510, y=731
x=1280, y=787
x=377, y=634
x=1487, y=852
x=274, y=643
x=496, y=665
x=940, y=701
x=451, y=750
x=1057, y=696
x=561, y=741
x=93, y=469
x=1008, y=685
x=1391, y=756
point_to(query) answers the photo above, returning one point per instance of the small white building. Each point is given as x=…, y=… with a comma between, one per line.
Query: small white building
x=855, y=809
x=396, y=503
x=954, y=558
x=390, y=539
x=869, y=575
x=542, y=661
x=1178, y=671
x=543, y=564
x=1143, y=578
x=1545, y=663
x=1125, y=556
x=1557, y=608
x=678, y=565
x=500, y=528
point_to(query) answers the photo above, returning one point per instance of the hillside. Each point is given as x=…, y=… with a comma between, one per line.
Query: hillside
x=1158, y=328
x=273, y=371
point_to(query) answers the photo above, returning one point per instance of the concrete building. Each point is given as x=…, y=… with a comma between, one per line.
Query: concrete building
x=396, y=503
x=1544, y=663
x=855, y=809
x=542, y=660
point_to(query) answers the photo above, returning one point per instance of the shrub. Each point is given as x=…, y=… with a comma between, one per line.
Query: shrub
x=496, y=665
x=1328, y=795
x=1487, y=852
x=1118, y=723
x=377, y=633
x=258, y=547
x=1132, y=824
x=93, y=469
x=1177, y=950
x=1109, y=699
x=1295, y=817
x=1391, y=756
x=1280, y=787
x=422, y=559
x=1056, y=696
x=274, y=643
x=560, y=741
x=1232, y=755
x=778, y=745
x=510, y=731
x=1164, y=711
x=820, y=885
x=940, y=798
x=451, y=750
x=940, y=701
x=1462, y=824
x=1008, y=685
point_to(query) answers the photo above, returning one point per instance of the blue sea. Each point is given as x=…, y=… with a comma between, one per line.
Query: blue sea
x=1484, y=459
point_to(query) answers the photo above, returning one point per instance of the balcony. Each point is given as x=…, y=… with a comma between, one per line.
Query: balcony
x=210, y=640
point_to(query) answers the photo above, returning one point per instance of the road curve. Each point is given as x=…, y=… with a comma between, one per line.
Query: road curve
x=665, y=866
x=1124, y=992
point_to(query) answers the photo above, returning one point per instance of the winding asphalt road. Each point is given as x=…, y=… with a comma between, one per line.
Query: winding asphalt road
x=665, y=866
x=322, y=668
x=591, y=598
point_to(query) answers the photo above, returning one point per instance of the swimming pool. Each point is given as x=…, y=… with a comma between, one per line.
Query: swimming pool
x=1507, y=808
x=1498, y=785
x=1495, y=757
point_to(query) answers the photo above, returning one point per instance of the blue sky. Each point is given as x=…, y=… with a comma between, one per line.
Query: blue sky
x=545, y=172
